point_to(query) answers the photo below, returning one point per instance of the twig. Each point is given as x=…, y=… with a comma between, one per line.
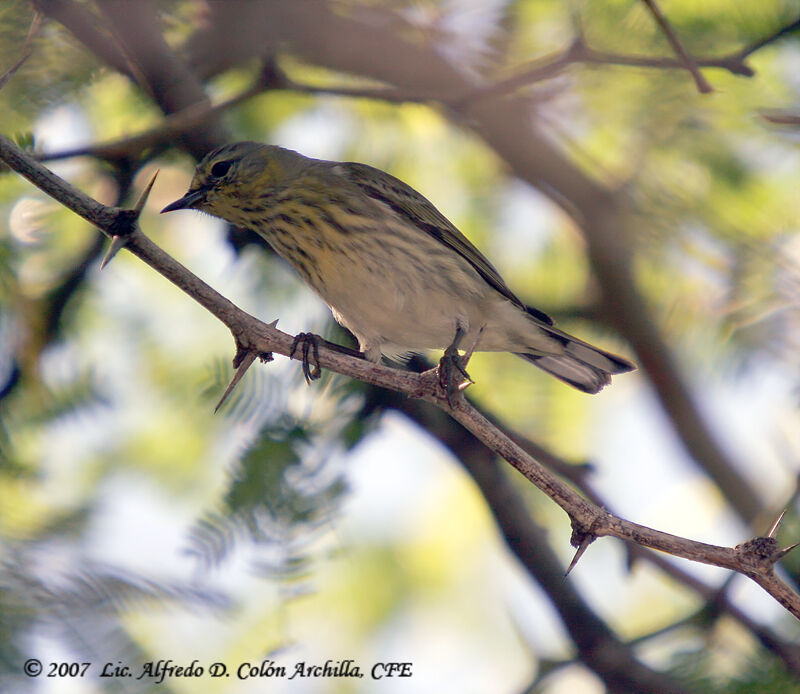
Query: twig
x=754, y=558
x=167, y=130
x=788, y=652
x=180, y=122
x=541, y=69
x=758, y=45
x=672, y=36
x=27, y=48
x=731, y=63
x=781, y=117
x=580, y=52
x=390, y=94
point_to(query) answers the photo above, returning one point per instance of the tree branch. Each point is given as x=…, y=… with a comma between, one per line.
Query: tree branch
x=747, y=51
x=685, y=57
x=176, y=124
x=84, y=25
x=533, y=551
x=172, y=126
x=27, y=48
x=596, y=643
x=140, y=53
x=173, y=86
x=579, y=52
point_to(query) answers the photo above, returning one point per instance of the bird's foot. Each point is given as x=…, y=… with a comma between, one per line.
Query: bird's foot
x=453, y=376
x=308, y=344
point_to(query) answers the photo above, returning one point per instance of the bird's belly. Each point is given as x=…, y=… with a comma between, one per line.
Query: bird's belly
x=401, y=316
x=403, y=310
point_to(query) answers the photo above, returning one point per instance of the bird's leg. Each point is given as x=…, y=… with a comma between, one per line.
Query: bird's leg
x=452, y=371
x=309, y=343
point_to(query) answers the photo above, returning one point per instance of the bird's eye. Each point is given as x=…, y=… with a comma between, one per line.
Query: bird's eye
x=220, y=168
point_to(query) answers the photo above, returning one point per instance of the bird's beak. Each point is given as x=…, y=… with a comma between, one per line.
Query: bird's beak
x=187, y=202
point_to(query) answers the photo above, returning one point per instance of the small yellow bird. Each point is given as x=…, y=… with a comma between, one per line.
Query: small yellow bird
x=392, y=268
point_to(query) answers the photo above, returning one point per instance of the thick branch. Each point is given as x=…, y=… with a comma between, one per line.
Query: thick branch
x=137, y=27
x=513, y=521
x=85, y=27
x=597, y=645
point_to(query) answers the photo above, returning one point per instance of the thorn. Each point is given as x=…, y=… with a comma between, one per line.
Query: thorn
x=245, y=361
x=117, y=242
x=140, y=203
x=774, y=527
x=780, y=554
x=585, y=542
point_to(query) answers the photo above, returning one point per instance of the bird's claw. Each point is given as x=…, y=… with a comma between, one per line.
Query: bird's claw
x=308, y=344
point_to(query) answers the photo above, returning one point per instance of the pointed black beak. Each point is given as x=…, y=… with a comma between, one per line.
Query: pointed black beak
x=188, y=201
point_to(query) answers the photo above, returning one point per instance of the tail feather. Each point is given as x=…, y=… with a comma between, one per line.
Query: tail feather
x=580, y=365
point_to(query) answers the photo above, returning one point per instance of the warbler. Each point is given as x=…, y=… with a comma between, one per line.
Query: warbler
x=394, y=271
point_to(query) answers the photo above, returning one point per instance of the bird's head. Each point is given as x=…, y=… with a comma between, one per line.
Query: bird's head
x=232, y=180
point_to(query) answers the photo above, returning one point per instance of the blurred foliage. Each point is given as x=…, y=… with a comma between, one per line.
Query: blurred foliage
x=58, y=69
x=711, y=671
x=107, y=382
x=81, y=608
x=274, y=495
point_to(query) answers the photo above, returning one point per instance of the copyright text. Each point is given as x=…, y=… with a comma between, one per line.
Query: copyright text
x=157, y=671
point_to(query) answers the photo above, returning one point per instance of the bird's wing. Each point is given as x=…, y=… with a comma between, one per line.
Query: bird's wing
x=416, y=209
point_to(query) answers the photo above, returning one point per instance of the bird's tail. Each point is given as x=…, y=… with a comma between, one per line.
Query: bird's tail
x=581, y=365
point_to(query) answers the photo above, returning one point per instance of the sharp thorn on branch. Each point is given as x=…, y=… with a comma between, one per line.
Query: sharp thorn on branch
x=585, y=542
x=244, y=360
x=774, y=527
x=140, y=203
x=117, y=242
x=783, y=552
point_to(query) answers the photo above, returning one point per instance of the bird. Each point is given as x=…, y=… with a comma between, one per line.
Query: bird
x=392, y=268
